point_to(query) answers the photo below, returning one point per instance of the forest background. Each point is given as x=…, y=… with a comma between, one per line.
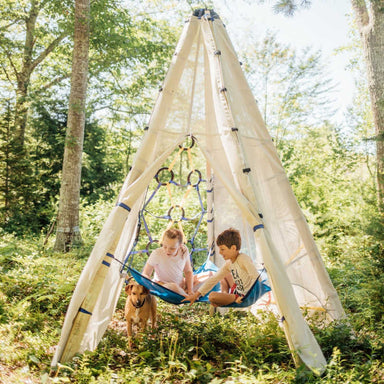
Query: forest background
x=331, y=166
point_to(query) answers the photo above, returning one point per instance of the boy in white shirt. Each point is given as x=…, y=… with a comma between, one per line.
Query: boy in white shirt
x=237, y=275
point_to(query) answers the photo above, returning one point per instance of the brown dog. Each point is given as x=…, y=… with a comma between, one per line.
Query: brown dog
x=139, y=307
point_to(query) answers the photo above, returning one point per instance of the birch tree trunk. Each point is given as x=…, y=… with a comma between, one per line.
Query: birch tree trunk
x=68, y=232
x=371, y=27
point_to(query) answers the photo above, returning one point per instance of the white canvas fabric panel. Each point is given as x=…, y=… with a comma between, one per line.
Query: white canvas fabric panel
x=110, y=292
x=105, y=241
x=301, y=337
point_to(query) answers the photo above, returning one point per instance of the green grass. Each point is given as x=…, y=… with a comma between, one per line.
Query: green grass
x=188, y=346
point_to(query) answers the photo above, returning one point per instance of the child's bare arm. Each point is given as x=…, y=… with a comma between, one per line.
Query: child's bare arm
x=213, y=280
x=147, y=271
x=188, y=273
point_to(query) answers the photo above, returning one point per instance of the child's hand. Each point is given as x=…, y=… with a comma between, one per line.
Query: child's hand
x=192, y=298
x=239, y=300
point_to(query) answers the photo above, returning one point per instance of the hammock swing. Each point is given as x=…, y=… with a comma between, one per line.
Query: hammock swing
x=259, y=288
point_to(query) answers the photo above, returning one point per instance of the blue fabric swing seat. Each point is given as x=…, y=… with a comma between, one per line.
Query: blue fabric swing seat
x=168, y=295
x=259, y=288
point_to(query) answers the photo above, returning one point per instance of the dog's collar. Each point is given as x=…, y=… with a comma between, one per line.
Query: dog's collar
x=138, y=306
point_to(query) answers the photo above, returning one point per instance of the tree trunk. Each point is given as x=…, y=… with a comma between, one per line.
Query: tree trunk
x=371, y=27
x=6, y=126
x=68, y=232
x=23, y=77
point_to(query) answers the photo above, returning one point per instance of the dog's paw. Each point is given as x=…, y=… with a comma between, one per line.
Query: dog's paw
x=130, y=343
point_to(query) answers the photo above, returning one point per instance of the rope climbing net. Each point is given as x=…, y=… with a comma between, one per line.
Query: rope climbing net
x=176, y=197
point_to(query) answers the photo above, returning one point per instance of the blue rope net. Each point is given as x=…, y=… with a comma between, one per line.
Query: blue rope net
x=174, y=198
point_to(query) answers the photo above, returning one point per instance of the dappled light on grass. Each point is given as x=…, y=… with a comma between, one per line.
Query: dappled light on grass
x=188, y=346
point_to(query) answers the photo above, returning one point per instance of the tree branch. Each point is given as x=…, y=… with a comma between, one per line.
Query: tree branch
x=5, y=27
x=361, y=11
x=130, y=112
x=48, y=50
x=55, y=81
x=12, y=64
x=6, y=74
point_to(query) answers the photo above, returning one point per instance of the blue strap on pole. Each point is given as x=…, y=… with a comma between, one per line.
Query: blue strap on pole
x=122, y=205
x=82, y=310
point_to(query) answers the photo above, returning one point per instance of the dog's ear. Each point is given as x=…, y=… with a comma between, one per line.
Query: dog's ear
x=128, y=286
x=128, y=289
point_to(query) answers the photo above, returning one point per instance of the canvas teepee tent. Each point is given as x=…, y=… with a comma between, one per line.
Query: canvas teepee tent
x=205, y=95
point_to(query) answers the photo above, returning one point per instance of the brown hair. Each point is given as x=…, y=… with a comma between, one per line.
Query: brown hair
x=174, y=233
x=229, y=237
